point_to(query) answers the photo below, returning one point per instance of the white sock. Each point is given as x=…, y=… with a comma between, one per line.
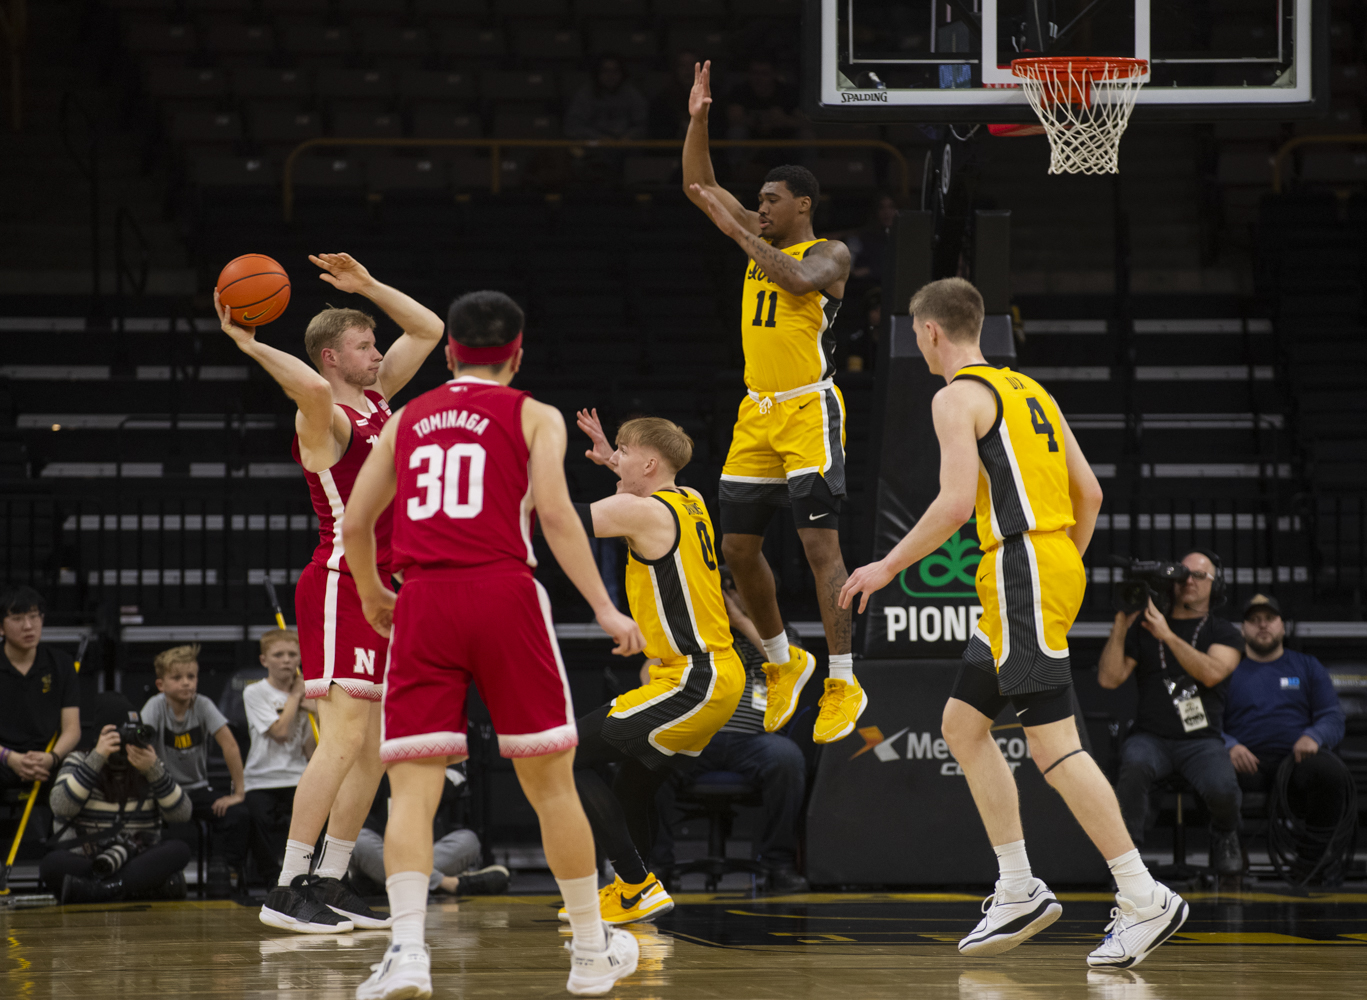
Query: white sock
x=776, y=649
x=842, y=666
x=1014, y=866
x=297, y=858
x=1132, y=878
x=408, y=905
x=581, y=903
x=332, y=863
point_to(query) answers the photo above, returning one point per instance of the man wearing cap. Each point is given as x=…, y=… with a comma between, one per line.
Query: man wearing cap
x=1282, y=703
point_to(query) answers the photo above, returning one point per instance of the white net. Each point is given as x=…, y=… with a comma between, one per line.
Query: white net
x=1084, y=106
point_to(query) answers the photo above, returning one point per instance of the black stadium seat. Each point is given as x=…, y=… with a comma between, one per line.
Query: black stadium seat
x=468, y=40
x=249, y=82
x=444, y=121
x=437, y=85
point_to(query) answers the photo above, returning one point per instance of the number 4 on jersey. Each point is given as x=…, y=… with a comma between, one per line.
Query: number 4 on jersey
x=1040, y=421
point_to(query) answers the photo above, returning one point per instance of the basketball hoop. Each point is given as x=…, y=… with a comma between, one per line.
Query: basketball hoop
x=1084, y=105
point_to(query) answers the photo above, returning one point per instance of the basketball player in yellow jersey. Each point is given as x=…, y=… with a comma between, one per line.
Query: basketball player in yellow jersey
x=696, y=678
x=1006, y=450
x=788, y=449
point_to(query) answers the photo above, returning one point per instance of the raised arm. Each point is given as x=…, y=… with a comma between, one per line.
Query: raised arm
x=1083, y=490
x=647, y=525
x=544, y=430
x=698, y=176
x=372, y=492
x=422, y=328
x=322, y=427
x=954, y=410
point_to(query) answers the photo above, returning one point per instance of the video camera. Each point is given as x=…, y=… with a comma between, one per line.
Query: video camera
x=1146, y=580
x=137, y=734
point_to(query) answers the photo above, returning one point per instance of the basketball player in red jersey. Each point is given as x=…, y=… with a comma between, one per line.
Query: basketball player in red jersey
x=465, y=467
x=342, y=408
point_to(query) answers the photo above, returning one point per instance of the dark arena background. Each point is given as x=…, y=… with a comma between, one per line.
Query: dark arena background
x=1199, y=317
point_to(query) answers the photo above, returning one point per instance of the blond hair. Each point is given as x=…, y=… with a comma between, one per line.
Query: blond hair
x=665, y=436
x=325, y=330
x=175, y=656
x=955, y=305
x=269, y=639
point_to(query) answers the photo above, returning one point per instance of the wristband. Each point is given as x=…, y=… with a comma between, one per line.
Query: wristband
x=4, y=755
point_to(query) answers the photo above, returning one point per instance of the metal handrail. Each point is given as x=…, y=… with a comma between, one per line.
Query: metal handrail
x=496, y=147
x=1291, y=145
x=14, y=32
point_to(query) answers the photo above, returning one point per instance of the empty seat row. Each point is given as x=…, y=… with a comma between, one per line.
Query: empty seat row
x=460, y=39
x=560, y=9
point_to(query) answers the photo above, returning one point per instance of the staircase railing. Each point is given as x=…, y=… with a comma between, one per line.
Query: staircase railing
x=496, y=147
x=1300, y=141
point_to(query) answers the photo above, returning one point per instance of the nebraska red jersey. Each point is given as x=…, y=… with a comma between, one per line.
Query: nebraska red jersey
x=463, y=498
x=331, y=489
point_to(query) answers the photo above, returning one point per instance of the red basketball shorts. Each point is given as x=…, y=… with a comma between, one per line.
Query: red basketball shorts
x=493, y=630
x=336, y=643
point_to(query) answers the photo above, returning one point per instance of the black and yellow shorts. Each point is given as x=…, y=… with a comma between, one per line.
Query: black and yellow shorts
x=787, y=450
x=1031, y=588
x=687, y=700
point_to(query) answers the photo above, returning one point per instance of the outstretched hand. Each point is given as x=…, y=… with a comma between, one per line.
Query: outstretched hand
x=701, y=94
x=342, y=271
x=601, y=453
x=865, y=581
x=241, y=334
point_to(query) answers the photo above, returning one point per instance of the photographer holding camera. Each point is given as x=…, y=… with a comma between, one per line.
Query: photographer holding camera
x=1181, y=656
x=111, y=802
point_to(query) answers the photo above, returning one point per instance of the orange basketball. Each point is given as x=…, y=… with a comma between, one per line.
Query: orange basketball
x=255, y=288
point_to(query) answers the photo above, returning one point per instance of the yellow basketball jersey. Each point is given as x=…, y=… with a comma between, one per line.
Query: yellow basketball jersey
x=1022, y=461
x=676, y=599
x=784, y=334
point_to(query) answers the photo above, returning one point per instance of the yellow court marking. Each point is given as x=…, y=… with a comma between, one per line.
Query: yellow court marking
x=1243, y=937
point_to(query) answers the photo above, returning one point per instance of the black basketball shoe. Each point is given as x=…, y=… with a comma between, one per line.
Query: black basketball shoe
x=490, y=881
x=339, y=895
x=293, y=907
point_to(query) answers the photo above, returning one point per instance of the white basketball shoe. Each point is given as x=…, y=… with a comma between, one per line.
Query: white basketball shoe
x=593, y=973
x=1135, y=931
x=405, y=973
x=1011, y=918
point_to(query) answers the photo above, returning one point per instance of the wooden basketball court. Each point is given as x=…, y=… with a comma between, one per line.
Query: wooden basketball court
x=726, y=945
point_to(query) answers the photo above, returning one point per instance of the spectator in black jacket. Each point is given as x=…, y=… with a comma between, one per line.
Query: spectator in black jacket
x=112, y=801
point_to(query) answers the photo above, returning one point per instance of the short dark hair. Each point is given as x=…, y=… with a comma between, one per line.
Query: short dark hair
x=484, y=319
x=20, y=599
x=801, y=181
x=953, y=303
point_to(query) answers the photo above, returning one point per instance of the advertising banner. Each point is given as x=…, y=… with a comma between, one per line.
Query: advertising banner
x=891, y=806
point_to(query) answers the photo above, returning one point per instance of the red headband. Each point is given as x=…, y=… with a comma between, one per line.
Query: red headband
x=495, y=355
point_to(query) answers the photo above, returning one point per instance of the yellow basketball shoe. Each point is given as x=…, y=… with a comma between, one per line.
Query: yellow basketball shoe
x=841, y=706
x=621, y=903
x=785, y=683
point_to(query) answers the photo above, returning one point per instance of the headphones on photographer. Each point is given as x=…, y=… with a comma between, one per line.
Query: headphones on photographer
x=1217, y=586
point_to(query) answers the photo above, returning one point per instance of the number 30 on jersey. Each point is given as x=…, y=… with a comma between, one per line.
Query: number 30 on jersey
x=451, y=473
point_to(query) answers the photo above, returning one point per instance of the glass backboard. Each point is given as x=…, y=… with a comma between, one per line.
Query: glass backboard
x=924, y=60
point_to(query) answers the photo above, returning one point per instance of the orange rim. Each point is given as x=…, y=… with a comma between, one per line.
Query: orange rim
x=1068, y=80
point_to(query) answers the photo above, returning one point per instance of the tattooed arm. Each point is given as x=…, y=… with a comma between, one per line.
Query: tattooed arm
x=824, y=268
